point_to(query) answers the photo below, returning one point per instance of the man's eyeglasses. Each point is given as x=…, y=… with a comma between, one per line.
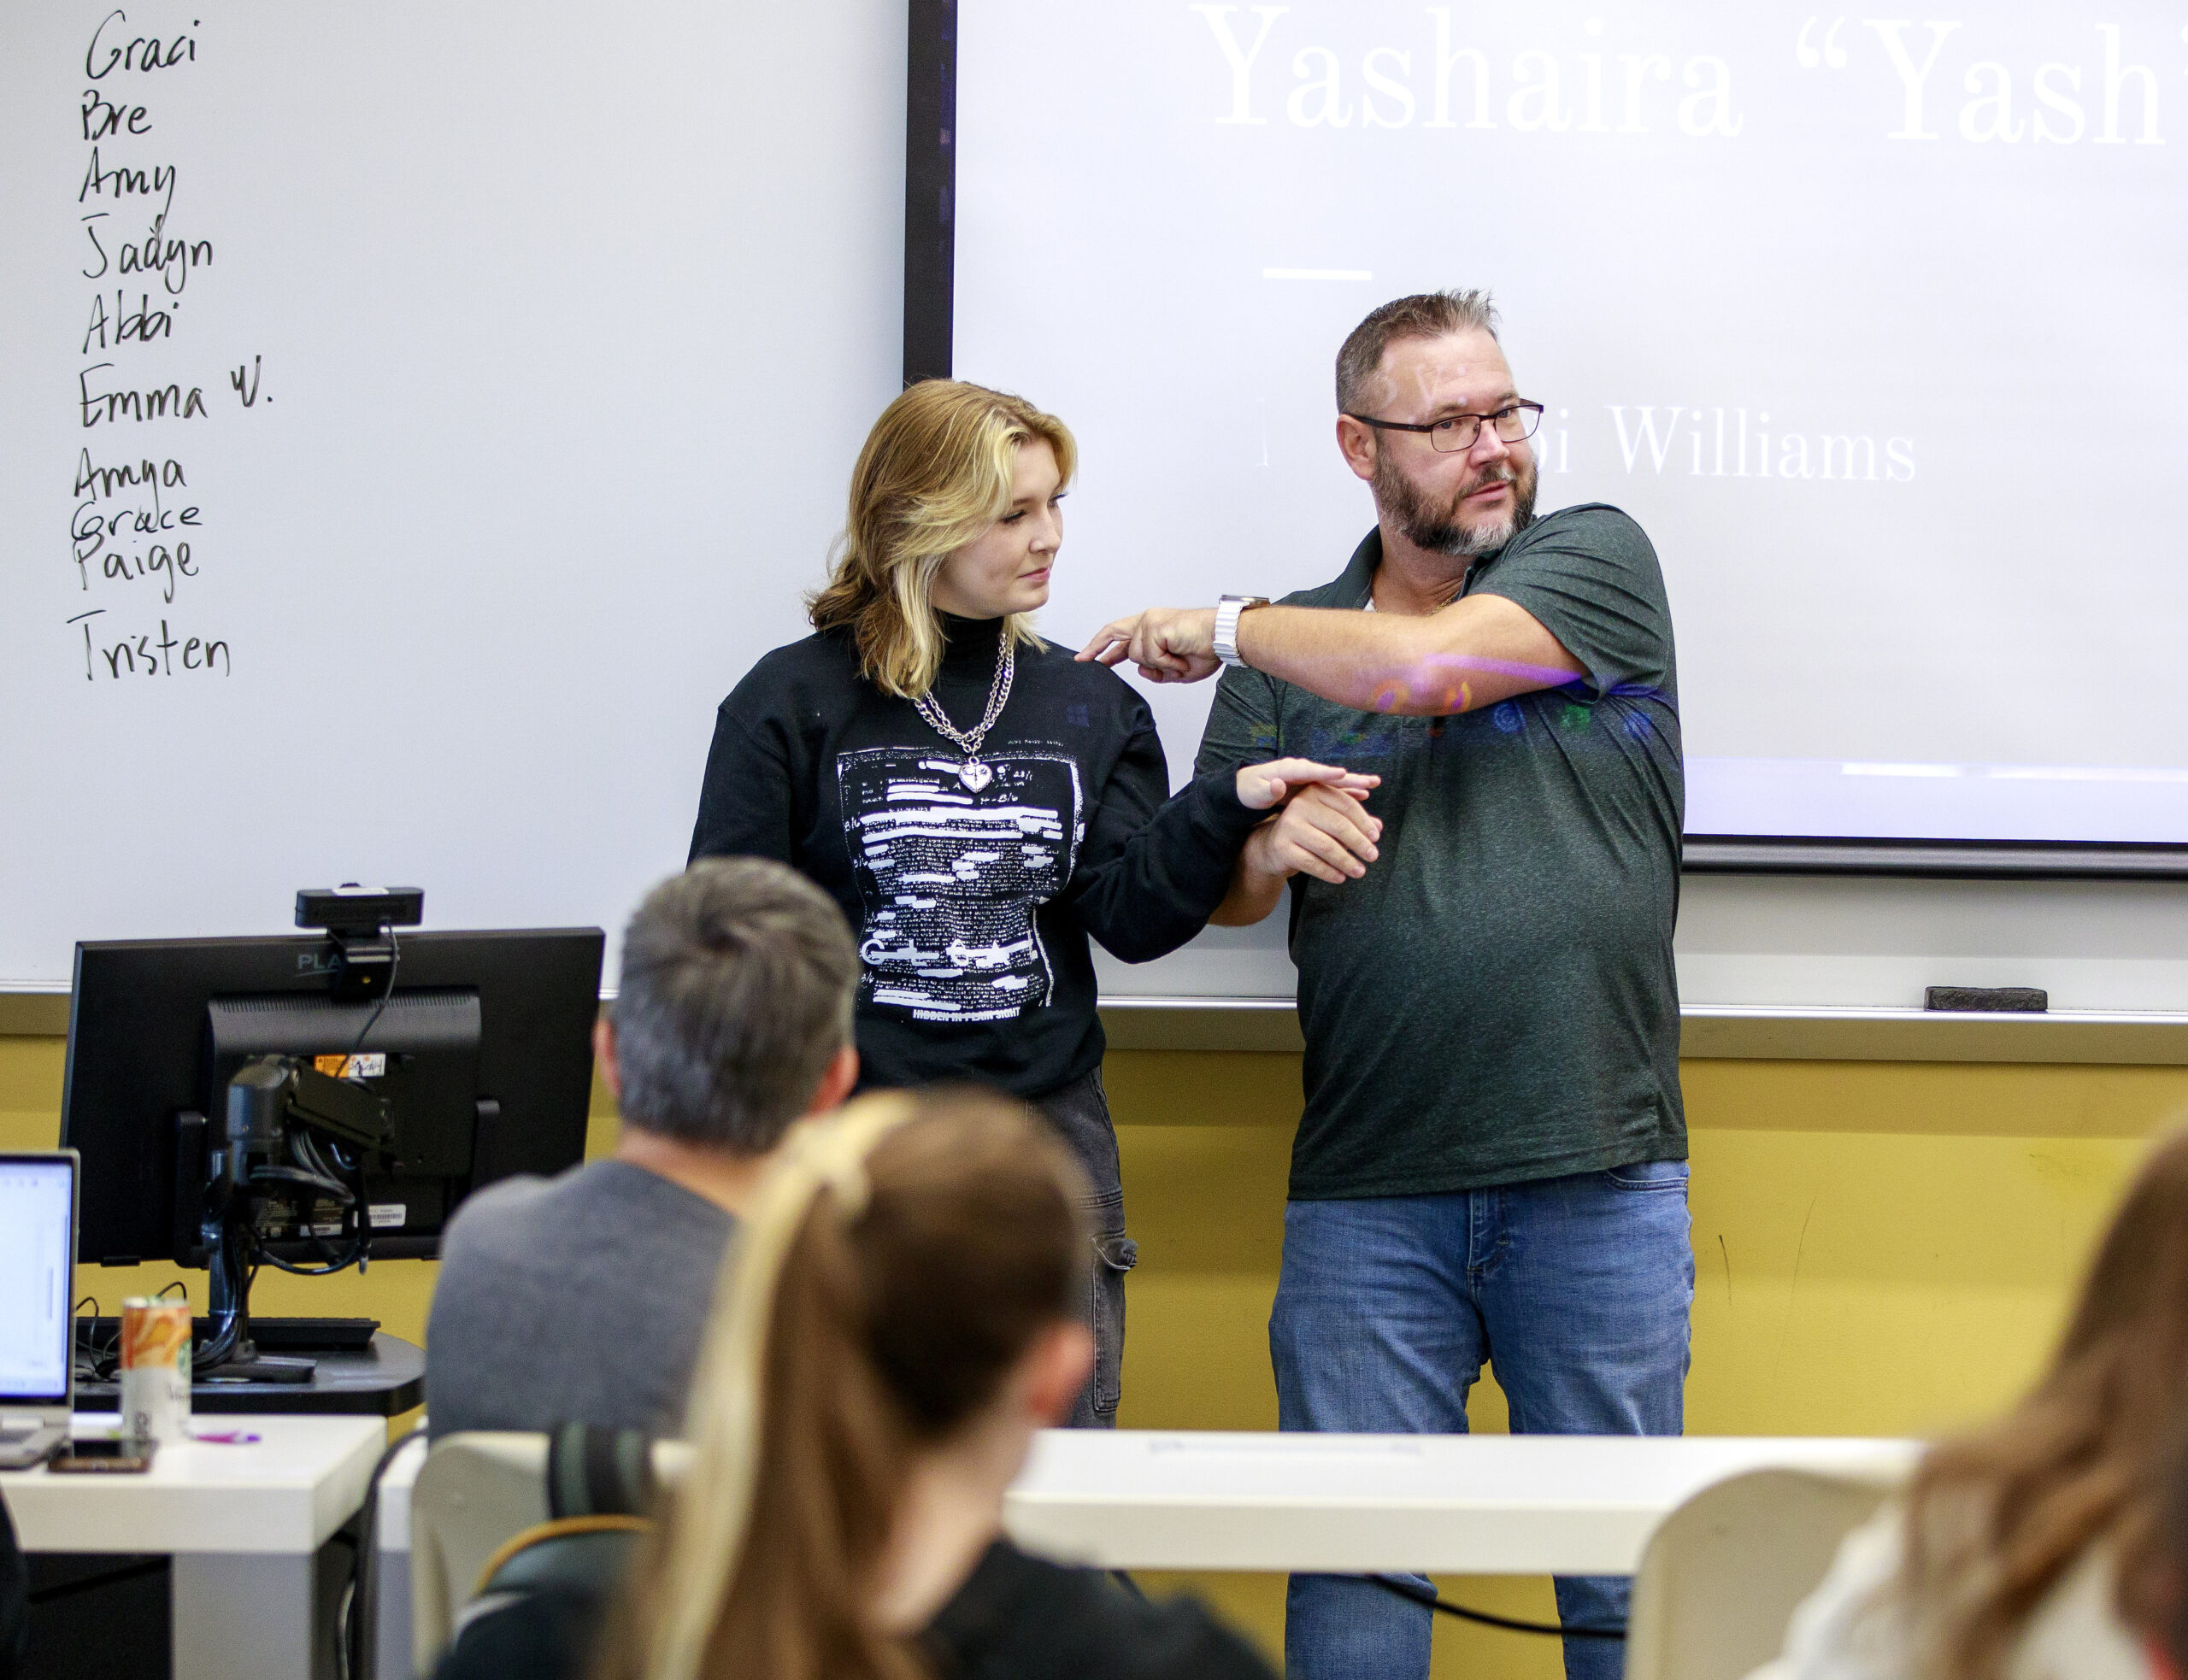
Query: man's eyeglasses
x=1514, y=423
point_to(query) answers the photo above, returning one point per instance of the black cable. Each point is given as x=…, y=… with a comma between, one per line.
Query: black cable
x=1428, y=1597
x=83, y=1340
x=316, y=1174
x=360, y=1635
x=394, y=968
x=356, y=1255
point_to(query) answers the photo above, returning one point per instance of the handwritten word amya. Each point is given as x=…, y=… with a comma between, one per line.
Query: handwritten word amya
x=1434, y=83
x=2093, y=92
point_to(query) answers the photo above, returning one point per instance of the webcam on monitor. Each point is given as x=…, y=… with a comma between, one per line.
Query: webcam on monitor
x=361, y=921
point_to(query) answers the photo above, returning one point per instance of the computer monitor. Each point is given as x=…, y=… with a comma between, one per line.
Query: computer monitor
x=38, y=1215
x=481, y=1049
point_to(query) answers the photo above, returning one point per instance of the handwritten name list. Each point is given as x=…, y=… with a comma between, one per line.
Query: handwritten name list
x=138, y=530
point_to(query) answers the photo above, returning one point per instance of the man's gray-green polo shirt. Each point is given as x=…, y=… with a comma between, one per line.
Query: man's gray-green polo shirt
x=1495, y=1002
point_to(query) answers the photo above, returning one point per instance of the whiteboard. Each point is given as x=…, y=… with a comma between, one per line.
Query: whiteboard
x=560, y=329
x=564, y=333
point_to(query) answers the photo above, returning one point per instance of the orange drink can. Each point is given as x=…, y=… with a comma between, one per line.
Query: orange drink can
x=155, y=1368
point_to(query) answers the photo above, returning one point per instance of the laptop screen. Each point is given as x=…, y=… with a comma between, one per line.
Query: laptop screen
x=37, y=1206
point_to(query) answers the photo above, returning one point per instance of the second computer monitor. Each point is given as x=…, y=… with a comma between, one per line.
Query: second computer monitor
x=483, y=1050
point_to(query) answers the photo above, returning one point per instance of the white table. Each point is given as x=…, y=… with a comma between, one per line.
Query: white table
x=243, y=1525
x=1439, y=1504
x=391, y=1627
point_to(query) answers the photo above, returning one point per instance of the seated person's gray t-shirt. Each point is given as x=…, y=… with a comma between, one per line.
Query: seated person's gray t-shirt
x=576, y=1299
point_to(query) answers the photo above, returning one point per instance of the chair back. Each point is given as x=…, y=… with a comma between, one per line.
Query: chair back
x=543, y=1599
x=1722, y=1575
x=478, y=1490
x=15, y=1597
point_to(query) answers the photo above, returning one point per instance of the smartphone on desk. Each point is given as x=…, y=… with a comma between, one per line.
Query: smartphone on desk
x=104, y=1454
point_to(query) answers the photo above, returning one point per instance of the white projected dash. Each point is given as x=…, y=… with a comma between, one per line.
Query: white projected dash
x=1317, y=274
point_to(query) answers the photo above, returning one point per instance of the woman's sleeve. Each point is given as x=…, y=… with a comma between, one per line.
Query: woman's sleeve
x=745, y=807
x=1151, y=870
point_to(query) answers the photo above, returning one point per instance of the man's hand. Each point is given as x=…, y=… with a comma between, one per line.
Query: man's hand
x=1325, y=832
x=1169, y=644
x=1261, y=786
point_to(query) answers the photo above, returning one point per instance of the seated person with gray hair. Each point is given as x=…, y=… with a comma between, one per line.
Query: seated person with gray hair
x=580, y=1298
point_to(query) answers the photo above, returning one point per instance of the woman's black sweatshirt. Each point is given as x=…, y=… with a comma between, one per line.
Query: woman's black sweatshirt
x=971, y=904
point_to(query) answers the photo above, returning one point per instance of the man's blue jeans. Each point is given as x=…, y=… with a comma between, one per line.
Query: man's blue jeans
x=1576, y=1289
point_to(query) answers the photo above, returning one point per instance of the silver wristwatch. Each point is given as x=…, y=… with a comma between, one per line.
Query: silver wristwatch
x=1227, y=624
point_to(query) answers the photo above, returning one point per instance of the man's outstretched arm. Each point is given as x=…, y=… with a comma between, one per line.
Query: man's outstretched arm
x=1471, y=653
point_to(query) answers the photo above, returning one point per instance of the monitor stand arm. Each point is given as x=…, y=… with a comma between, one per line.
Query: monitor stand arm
x=229, y=1353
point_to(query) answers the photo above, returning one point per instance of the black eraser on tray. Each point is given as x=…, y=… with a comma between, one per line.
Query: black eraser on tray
x=1988, y=1000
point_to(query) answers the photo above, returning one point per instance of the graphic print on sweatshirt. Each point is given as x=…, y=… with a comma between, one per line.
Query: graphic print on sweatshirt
x=951, y=878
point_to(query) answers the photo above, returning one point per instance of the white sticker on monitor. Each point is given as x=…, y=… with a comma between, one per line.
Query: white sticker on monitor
x=387, y=1215
x=370, y=1065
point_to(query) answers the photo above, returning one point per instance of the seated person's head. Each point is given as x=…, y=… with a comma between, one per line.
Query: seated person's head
x=1997, y=1518
x=733, y=1015
x=900, y=1317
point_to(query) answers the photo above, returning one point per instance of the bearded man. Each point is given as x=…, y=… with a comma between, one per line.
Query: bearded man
x=1491, y=1161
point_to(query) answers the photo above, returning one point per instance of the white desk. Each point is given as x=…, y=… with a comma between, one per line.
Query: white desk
x=1441, y=1504
x=1444, y=1504
x=391, y=1628
x=242, y=1524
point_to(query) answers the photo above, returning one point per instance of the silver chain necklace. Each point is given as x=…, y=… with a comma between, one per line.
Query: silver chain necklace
x=972, y=773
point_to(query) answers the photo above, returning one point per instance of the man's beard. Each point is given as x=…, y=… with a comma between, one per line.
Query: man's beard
x=1437, y=529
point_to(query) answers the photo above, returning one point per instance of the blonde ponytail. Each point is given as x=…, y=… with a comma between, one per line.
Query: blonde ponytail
x=898, y=1261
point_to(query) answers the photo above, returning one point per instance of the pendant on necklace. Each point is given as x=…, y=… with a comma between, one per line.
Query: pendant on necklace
x=974, y=774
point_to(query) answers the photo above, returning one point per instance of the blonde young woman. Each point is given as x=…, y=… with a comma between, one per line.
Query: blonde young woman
x=2006, y=1559
x=979, y=802
x=899, y=1317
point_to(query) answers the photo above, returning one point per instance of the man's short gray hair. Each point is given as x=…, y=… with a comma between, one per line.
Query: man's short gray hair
x=1425, y=315
x=737, y=989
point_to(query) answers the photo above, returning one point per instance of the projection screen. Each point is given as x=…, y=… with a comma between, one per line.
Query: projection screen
x=1875, y=324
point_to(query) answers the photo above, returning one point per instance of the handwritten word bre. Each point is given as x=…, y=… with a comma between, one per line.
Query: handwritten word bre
x=1543, y=97
x=146, y=52
x=102, y=117
x=2058, y=117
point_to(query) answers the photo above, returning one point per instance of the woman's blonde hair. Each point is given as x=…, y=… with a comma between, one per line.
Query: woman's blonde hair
x=934, y=475
x=1997, y=1519
x=896, y=1264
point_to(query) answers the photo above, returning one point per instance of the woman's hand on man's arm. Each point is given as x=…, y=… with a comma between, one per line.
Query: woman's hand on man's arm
x=1262, y=787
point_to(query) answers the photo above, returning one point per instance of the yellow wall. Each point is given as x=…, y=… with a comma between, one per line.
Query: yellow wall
x=1881, y=1248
